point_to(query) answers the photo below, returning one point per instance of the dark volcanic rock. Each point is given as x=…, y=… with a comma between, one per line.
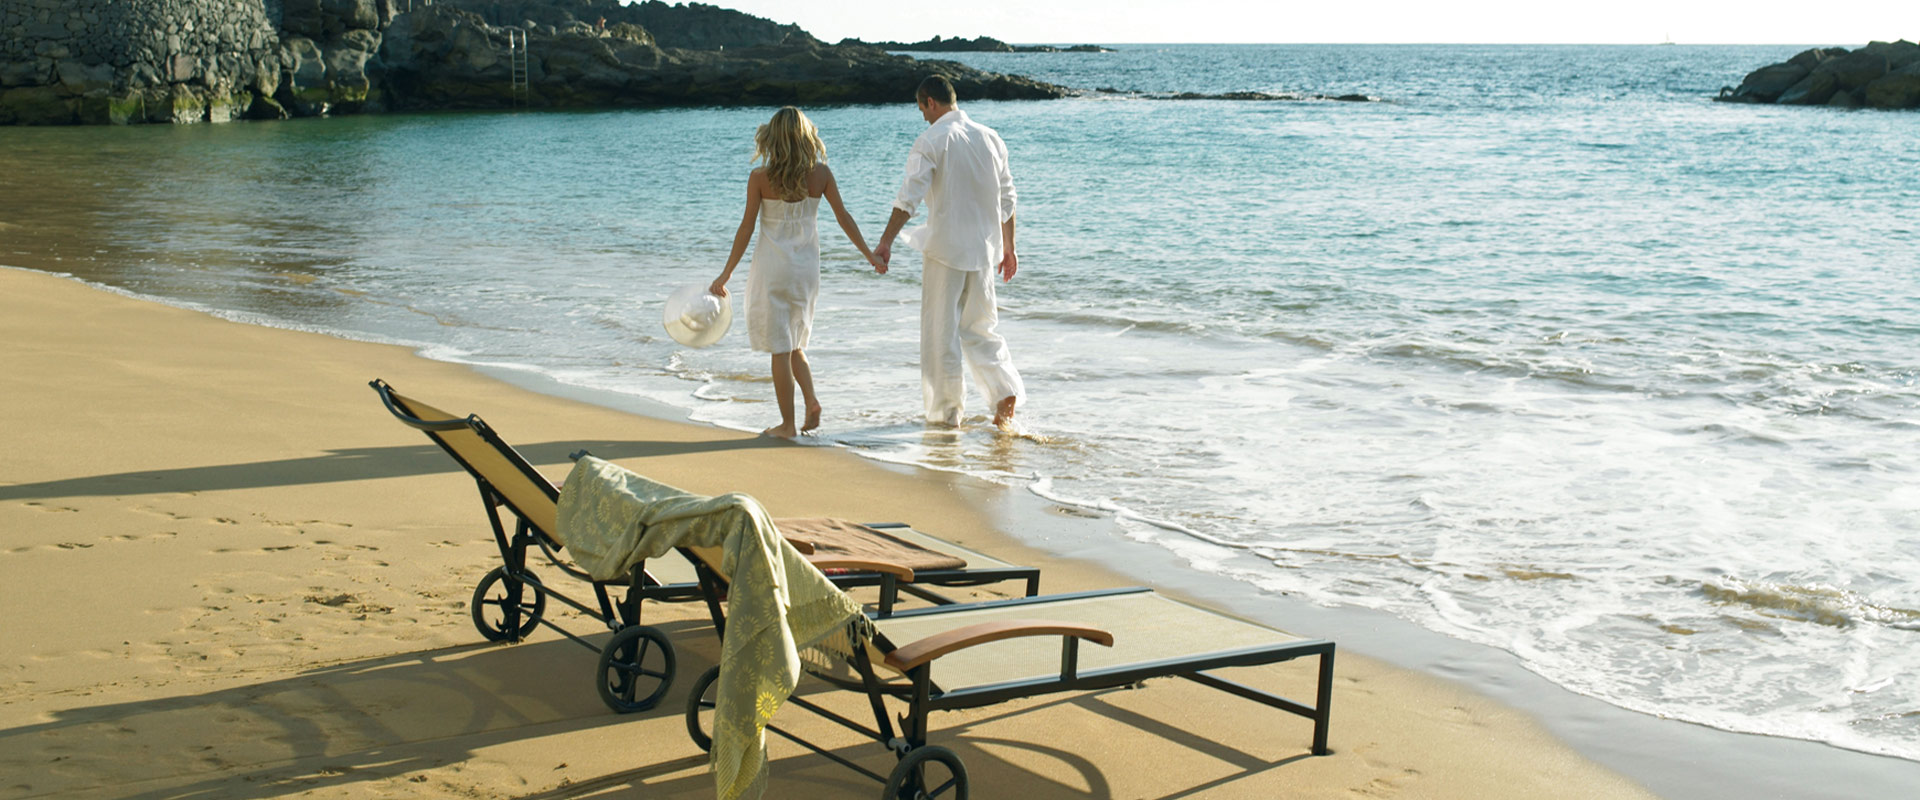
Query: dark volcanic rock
x=1766, y=84
x=688, y=26
x=1812, y=90
x=217, y=60
x=448, y=57
x=1899, y=89
x=1876, y=76
x=982, y=44
x=1812, y=58
x=1349, y=98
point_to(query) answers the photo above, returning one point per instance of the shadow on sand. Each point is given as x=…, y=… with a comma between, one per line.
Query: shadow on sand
x=365, y=463
x=423, y=716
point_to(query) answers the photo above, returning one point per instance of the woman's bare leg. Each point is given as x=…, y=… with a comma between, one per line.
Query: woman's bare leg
x=803, y=375
x=783, y=394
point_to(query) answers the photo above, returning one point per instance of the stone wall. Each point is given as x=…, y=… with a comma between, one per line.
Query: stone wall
x=123, y=61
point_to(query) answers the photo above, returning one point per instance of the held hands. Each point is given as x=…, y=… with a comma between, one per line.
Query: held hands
x=881, y=257
x=1009, y=264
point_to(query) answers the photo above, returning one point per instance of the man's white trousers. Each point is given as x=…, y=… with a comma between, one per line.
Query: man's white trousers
x=957, y=321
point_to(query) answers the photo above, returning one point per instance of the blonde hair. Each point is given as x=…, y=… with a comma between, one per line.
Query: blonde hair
x=791, y=147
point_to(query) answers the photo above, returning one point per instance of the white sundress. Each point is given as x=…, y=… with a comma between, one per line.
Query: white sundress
x=784, y=276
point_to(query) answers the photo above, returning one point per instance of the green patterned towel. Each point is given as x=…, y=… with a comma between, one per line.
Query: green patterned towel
x=612, y=518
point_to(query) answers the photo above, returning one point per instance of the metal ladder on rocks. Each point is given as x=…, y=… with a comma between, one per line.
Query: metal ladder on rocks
x=517, y=56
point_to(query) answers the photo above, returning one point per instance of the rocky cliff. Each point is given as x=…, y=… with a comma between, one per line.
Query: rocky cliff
x=129, y=61
x=448, y=56
x=1880, y=75
x=983, y=44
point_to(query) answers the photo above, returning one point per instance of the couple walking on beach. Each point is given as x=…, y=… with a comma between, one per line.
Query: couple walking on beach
x=958, y=167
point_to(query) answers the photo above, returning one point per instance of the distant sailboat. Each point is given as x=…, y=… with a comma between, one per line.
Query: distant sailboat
x=1668, y=41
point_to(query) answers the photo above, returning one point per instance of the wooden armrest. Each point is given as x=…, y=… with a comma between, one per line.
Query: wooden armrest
x=805, y=547
x=940, y=644
x=905, y=574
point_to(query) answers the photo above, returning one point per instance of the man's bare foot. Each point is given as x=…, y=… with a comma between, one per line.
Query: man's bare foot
x=1003, y=413
x=782, y=431
x=813, y=418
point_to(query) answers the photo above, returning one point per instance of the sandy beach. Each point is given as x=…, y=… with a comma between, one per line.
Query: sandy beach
x=232, y=574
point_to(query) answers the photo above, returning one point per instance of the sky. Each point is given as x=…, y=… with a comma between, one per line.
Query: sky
x=1347, y=21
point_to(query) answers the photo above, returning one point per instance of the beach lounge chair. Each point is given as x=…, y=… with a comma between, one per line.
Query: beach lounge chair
x=637, y=664
x=943, y=658
x=968, y=655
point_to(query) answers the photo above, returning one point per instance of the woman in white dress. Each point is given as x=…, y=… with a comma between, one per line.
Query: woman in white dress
x=784, y=278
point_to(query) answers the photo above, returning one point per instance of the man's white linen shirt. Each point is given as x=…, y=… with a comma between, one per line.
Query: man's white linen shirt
x=959, y=167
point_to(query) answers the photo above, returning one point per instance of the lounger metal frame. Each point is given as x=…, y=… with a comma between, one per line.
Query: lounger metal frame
x=626, y=660
x=923, y=696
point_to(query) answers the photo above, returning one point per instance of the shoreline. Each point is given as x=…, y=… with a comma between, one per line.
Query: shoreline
x=1661, y=754
x=325, y=454
x=1670, y=758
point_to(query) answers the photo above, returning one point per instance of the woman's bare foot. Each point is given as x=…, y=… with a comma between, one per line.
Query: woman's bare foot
x=813, y=418
x=781, y=431
x=1003, y=413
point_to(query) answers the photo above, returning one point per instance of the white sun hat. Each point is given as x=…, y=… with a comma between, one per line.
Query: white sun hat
x=696, y=317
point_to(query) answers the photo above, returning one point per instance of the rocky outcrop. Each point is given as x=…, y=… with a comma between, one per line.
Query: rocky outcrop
x=449, y=57
x=1238, y=96
x=982, y=44
x=687, y=26
x=1880, y=75
x=695, y=26
x=1344, y=98
x=128, y=61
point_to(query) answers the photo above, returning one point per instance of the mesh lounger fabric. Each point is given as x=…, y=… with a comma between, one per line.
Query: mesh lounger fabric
x=485, y=459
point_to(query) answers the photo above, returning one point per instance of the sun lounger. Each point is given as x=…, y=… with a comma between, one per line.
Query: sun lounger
x=637, y=664
x=967, y=655
x=959, y=656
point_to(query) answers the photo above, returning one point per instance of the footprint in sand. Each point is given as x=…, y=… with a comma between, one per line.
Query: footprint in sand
x=1385, y=787
x=161, y=512
x=285, y=524
x=52, y=509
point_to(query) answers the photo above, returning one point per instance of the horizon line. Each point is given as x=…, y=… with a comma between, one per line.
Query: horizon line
x=1071, y=43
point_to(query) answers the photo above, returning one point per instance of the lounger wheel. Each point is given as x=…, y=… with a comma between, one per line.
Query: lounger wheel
x=636, y=667
x=697, y=703
x=927, y=772
x=494, y=603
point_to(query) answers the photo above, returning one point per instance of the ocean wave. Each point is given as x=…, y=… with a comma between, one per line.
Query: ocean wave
x=1042, y=486
x=1490, y=359
x=1817, y=603
x=1114, y=321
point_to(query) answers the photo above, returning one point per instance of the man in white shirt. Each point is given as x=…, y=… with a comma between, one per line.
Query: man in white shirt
x=959, y=168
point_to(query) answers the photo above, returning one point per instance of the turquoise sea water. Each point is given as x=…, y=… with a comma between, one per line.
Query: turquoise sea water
x=1544, y=351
